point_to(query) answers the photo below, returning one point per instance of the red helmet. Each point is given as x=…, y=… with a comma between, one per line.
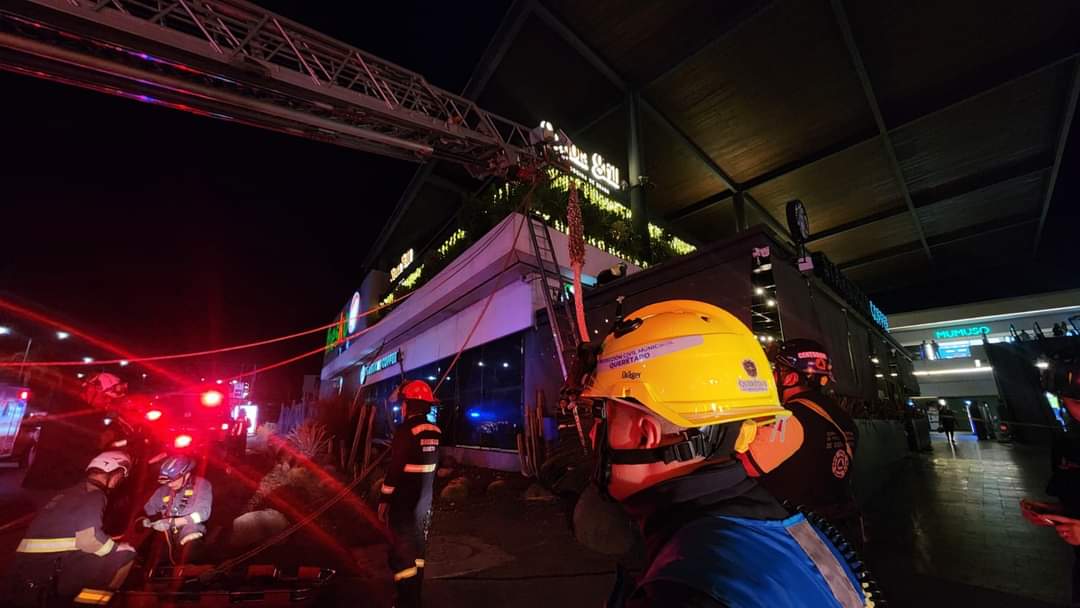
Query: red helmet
x=417, y=390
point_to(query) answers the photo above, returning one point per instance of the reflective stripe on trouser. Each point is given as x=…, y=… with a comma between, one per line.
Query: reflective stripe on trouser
x=93, y=597
x=47, y=545
x=407, y=559
x=68, y=573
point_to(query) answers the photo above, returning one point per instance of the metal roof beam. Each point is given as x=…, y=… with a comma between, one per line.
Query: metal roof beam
x=582, y=48
x=845, y=145
x=1036, y=164
x=948, y=238
x=1063, y=138
x=883, y=131
x=493, y=55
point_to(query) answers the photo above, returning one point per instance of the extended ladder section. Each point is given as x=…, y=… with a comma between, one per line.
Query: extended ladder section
x=233, y=60
x=563, y=327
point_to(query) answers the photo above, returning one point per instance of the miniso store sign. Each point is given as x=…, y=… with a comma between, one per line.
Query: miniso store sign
x=590, y=167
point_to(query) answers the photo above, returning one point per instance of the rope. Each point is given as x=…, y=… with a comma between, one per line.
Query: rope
x=523, y=209
x=287, y=532
x=213, y=351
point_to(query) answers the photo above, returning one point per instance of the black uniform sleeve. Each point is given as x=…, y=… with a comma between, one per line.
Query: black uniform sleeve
x=667, y=594
x=401, y=449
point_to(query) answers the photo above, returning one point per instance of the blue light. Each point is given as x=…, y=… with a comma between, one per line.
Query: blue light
x=431, y=378
x=397, y=408
x=474, y=414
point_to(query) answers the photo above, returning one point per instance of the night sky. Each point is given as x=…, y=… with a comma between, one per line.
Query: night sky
x=165, y=231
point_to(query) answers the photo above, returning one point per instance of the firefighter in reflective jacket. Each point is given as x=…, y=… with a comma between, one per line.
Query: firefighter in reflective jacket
x=818, y=475
x=66, y=556
x=182, y=504
x=678, y=389
x=405, y=496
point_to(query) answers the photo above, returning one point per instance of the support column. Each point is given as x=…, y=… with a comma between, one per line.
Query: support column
x=639, y=214
x=740, y=212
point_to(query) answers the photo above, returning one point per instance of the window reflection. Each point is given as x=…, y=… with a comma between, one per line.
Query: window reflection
x=480, y=400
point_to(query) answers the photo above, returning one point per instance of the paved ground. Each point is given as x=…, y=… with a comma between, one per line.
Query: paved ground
x=946, y=532
x=951, y=523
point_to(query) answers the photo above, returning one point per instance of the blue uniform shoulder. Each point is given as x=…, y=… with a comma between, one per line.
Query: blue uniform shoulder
x=746, y=562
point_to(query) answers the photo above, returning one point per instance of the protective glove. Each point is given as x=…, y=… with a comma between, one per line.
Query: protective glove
x=161, y=525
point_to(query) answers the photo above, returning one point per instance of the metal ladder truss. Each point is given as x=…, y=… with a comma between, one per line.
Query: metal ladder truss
x=560, y=317
x=233, y=60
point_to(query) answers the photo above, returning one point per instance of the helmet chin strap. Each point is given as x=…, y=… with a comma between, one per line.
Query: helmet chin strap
x=696, y=443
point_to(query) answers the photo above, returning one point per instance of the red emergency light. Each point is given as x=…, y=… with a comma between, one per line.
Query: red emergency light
x=212, y=398
x=182, y=441
x=24, y=395
x=153, y=415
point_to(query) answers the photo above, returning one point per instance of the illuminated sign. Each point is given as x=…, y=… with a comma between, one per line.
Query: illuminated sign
x=378, y=365
x=354, y=311
x=406, y=261
x=879, y=317
x=961, y=332
x=590, y=167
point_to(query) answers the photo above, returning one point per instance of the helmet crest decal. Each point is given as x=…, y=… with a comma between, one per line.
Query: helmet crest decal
x=648, y=351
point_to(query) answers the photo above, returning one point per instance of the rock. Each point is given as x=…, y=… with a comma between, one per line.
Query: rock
x=601, y=525
x=499, y=486
x=255, y=527
x=455, y=491
x=444, y=472
x=539, y=493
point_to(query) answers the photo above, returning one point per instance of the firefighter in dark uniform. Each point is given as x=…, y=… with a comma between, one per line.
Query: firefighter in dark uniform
x=181, y=505
x=818, y=475
x=66, y=556
x=1064, y=380
x=405, y=496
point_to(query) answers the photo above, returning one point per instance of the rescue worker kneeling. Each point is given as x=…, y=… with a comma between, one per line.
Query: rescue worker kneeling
x=405, y=496
x=66, y=556
x=182, y=504
x=678, y=390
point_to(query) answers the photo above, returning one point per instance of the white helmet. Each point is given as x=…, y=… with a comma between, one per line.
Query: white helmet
x=110, y=461
x=103, y=388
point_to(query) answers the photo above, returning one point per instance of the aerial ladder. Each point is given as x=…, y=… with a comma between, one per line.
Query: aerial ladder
x=234, y=61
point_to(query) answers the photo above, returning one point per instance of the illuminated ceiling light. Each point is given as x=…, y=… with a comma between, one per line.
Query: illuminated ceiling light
x=123, y=363
x=80, y=375
x=505, y=364
x=87, y=359
x=219, y=381
x=978, y=362
x=481, y=364
x=875, y=360
x=4, y=330
x=894, y=374
x=759, y=291
x=1042, y=364
x=62, y=335
x=144, y=376
x=431, y=378
x=771, y=302
x=879, y=375
x=961, y=370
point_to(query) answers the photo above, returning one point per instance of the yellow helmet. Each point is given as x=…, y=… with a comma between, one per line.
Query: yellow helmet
x=691, y=363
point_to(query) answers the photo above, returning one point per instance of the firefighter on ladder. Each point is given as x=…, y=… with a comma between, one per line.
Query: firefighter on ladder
x=66, y=556
x=678, y=390
x=406, y=492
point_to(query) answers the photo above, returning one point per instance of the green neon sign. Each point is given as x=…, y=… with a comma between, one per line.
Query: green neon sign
x=961, y=332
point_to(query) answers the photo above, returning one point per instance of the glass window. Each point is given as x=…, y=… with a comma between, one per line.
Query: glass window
x=480, y=402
